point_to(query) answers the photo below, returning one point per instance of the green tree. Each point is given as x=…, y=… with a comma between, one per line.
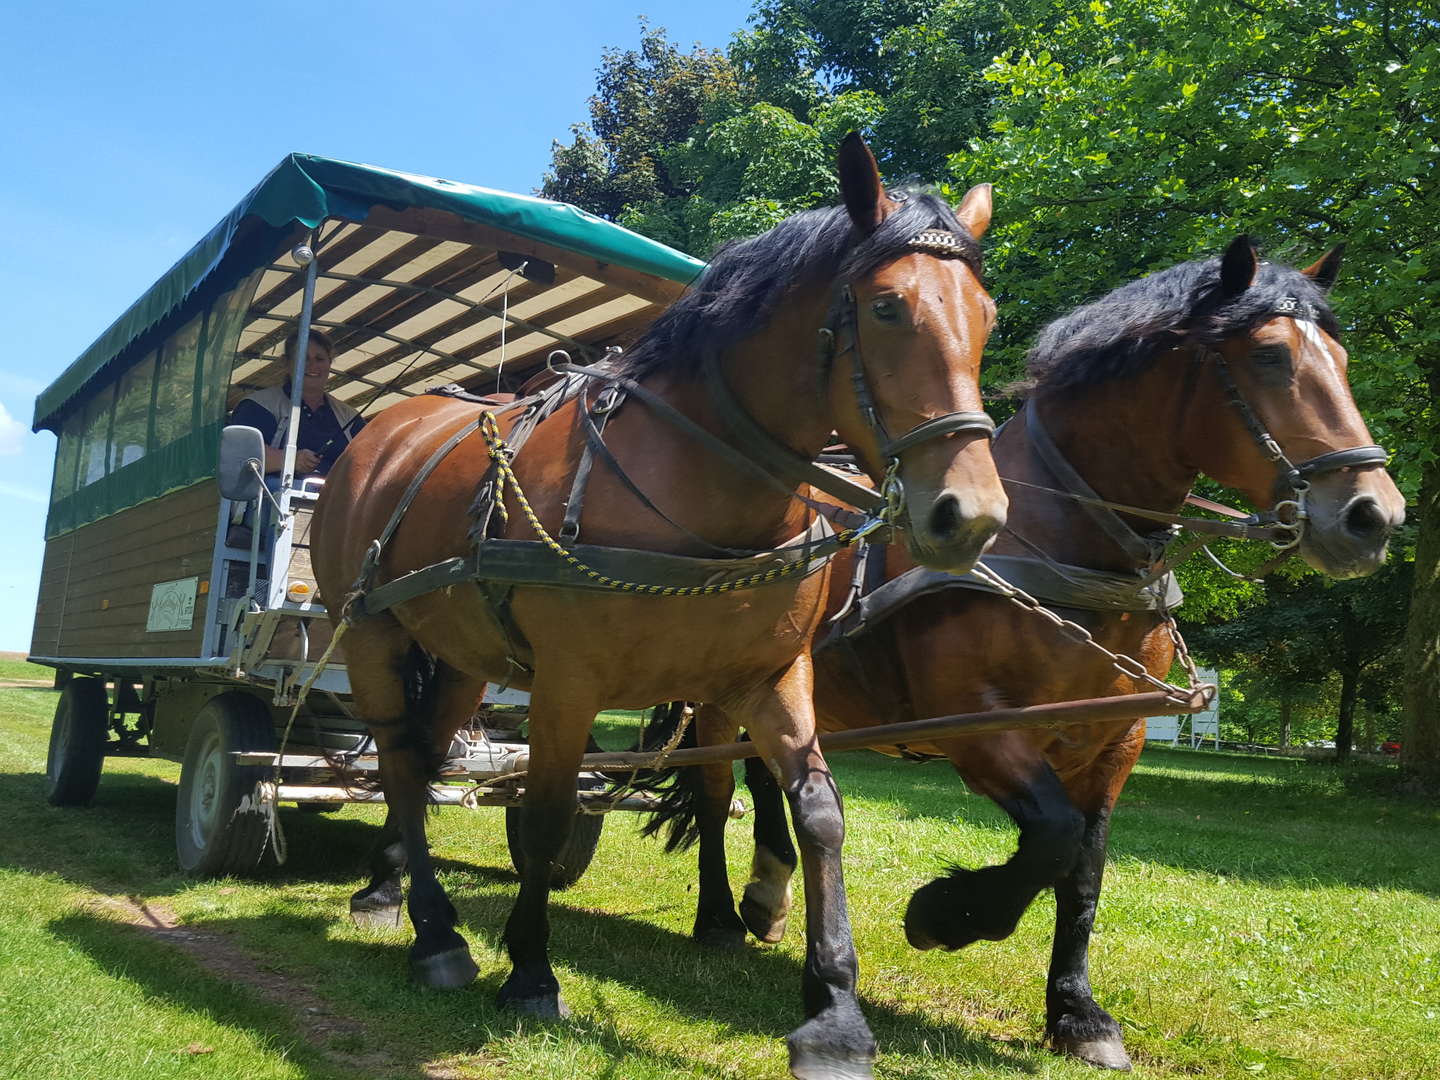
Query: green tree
x=1308, y=629
x=1137, y=133
x=647, y=99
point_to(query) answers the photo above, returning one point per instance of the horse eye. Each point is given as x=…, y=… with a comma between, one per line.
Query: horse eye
x=885, y=309
x=1271, y=355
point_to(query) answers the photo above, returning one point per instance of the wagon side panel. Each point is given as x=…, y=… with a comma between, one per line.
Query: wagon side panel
x=50, y=608
x=101, y=605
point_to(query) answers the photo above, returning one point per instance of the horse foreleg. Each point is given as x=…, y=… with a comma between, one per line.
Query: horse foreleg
x=716, y=923
x=1074, y=1023
x=835, y=1042
x=559, y=731
x=765, y=905
x=966, y=906
x=378, y=903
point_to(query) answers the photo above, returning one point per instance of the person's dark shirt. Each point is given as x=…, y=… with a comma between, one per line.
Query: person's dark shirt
x=319, y=429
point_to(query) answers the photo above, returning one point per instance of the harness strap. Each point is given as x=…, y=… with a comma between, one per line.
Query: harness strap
x=1139, y=548
x=595, y=443
x=780, y=465
x=1357, y=457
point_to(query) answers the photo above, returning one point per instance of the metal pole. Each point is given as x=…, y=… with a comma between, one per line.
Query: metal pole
x=304, y=255
x=280, y=549
x=1062, y=714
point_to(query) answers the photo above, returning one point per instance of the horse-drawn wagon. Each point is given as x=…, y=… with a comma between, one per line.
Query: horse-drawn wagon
x=182, y=622
x=186, y=619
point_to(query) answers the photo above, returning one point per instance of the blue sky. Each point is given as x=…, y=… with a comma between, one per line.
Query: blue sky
x=128, y=130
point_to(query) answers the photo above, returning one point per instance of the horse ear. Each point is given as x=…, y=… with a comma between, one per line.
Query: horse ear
x=974, y=209
x=1325, y=270
x=860, y=185
x=1237, y=267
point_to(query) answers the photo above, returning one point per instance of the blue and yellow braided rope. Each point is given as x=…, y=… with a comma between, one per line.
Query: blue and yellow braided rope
x=495, y=443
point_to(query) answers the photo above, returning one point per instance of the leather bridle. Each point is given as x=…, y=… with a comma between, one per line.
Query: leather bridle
x=1290, y=514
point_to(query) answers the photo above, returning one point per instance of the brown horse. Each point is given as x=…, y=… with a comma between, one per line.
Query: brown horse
x=894, y=284
x=1133, y=392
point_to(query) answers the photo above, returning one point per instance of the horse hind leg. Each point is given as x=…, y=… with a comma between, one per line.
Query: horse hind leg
x=411, y=703
x=965, y=906
x=713, y=786
x=765, y=904
x=378, y=904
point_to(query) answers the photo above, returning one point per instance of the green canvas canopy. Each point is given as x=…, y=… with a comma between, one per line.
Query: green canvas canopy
x=303, y=192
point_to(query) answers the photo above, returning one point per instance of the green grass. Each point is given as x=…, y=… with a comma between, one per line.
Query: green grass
x=14, y=666
x=1261, y=917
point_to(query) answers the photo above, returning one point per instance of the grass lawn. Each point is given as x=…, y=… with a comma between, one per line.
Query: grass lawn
x=1261, y=918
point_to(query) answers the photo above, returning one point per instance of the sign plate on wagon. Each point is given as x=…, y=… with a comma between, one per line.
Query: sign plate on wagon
x=172, y=605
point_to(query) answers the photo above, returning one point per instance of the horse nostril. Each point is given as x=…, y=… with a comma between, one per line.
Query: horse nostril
x=1365, y=520
x=945, y=519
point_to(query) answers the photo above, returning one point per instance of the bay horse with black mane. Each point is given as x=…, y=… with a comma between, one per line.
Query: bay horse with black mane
x=893, y=287
x=1227, y=367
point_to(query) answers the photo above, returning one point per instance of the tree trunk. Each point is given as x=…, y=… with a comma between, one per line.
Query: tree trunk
x=1345, y=729
x=1420, y=746
x=1285, y=709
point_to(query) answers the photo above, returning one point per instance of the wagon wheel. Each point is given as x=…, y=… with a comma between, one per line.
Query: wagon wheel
x=574, y=857
x=218, y=828
x=77, y=743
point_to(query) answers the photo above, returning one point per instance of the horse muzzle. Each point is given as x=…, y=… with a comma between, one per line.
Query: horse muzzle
x=1348, y=537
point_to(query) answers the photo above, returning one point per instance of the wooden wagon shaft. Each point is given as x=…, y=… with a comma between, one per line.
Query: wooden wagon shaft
x=1059, y=714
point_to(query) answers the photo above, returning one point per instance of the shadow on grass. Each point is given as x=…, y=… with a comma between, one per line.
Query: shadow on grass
x=754, y=992
x=1275, y=821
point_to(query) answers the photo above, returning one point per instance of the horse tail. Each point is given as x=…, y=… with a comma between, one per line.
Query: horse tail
x=677, y=788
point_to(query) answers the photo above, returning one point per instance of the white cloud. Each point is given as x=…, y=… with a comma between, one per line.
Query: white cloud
x=12, y=433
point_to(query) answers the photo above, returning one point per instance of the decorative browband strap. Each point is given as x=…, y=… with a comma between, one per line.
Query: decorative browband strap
x=941, y=243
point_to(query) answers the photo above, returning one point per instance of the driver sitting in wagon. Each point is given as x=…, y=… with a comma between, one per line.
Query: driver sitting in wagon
x=326, y=424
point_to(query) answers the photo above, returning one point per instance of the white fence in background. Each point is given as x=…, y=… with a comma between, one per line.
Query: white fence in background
x=1194, y=729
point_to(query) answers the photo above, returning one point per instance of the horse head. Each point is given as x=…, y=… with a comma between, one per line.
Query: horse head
x=1297, y=442
x=908, y=324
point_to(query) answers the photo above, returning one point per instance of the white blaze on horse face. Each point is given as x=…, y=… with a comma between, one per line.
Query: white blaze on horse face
x=1310, y=331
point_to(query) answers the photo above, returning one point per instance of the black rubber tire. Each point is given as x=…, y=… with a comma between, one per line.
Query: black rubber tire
x=214, y=836
x=573, y=859
x=77, y=743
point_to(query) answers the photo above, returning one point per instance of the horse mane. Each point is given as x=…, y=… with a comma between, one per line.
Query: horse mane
x=1120, y=334
x=747, y=279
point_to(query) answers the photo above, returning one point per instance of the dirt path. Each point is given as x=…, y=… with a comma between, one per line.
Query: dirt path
x=314, y=1019
x=11, y=684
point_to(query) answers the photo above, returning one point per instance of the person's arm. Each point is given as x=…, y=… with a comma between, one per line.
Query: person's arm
x=250, y=413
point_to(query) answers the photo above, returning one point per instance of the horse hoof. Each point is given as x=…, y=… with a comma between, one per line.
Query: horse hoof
x=1102, y=1053
x=376, y=917
x=834, y=1045
x=543, y=1007
x=762, y=922
x=813, y=1065
x=448, y=970
x=722, y=938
